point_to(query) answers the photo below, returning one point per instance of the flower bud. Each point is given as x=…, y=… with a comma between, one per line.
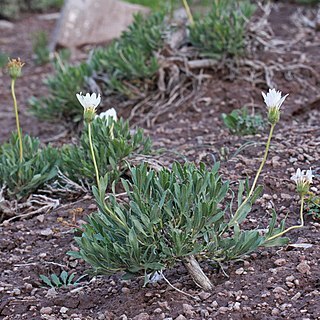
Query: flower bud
x=273, y=115
x=14, y=67
x=89, y=114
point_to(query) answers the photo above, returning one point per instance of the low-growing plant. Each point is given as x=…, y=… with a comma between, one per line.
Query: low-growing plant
x=63, y=280
x=3, y=59
x=179, y=215
x=40, y=47
x=113, y=144
x=240, y=122
x=125, y=67
x=13, y=8
x=313, y=206
x=222, y=31
x=170, y=216
x=308, y=2
x=62, y=104
x=22, y=177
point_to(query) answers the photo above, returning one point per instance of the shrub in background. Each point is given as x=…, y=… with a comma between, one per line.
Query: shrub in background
x=121, y=68
x=12, y=8
x=40, y=47
x=222, y=31
x=37, y=166
x=240, y=122
x=62, y=103
x=111, y=151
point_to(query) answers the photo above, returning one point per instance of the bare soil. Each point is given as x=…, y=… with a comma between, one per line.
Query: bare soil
x=278, y=283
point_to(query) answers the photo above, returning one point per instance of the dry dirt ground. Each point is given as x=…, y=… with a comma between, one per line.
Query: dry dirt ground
x=278, y=283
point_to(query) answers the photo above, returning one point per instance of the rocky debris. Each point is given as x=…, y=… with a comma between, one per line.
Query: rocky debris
x=6, y=25
x=46, y=310
x=280, y=262
x=188, y=310
x=142, y=316
x=303, y=267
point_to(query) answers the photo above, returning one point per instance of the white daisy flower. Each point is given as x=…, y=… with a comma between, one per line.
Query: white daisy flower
x=303, y=179
x=89, y=101
x=273, y=98
x=109, y=113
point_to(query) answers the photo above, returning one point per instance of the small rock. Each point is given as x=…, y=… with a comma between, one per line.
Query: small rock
x=46, y=310
x=296, y=296
x=214, y=304
x=6, y=25
x=204, y=295
x=40, y=218
x=303, y=267
x=239, y=271
x=46, y=232
x=181, y=317
x=279, y=290
x=52, y=293
x=285, y=196
x=280, y=262
x=157, y=311
x=188, y=309
x=92, y=207
x=290, y=278
x=28, y=286
x=63, y=310
x=16, y=292
x=275, y=311
x=125, y=290
x=223, y=309
x=142, y=316
x=236, y=306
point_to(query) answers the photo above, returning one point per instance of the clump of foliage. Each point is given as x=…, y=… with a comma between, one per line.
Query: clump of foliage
x=12, y=8
x=113, y=144
x=62, y=103
x=122, y=67
x=240, y=122
x=222, y=31
x=37, y=167
x=40, y=47
x=168, y=216
x=63, y=280
x=3, y=59
x=313, y=206
x=308, y=2
x=132, y=57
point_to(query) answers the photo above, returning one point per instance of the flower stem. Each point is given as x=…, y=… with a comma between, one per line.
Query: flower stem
x=17, y=119
x=257, y=175
x=189, y=14
x=93, y=156
x=111, y=131
x=293, y=227
x=263, y=160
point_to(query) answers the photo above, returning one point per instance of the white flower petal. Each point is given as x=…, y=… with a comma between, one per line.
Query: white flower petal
x=273, y=98
x=89, y=101
x=109, y=113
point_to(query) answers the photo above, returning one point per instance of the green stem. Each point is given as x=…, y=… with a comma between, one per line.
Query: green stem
x=263, y=161
x=93, y=156
x=258, y=173
x=111, y=131
x=293, y=227
x=17, y=119
x=189, y=14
